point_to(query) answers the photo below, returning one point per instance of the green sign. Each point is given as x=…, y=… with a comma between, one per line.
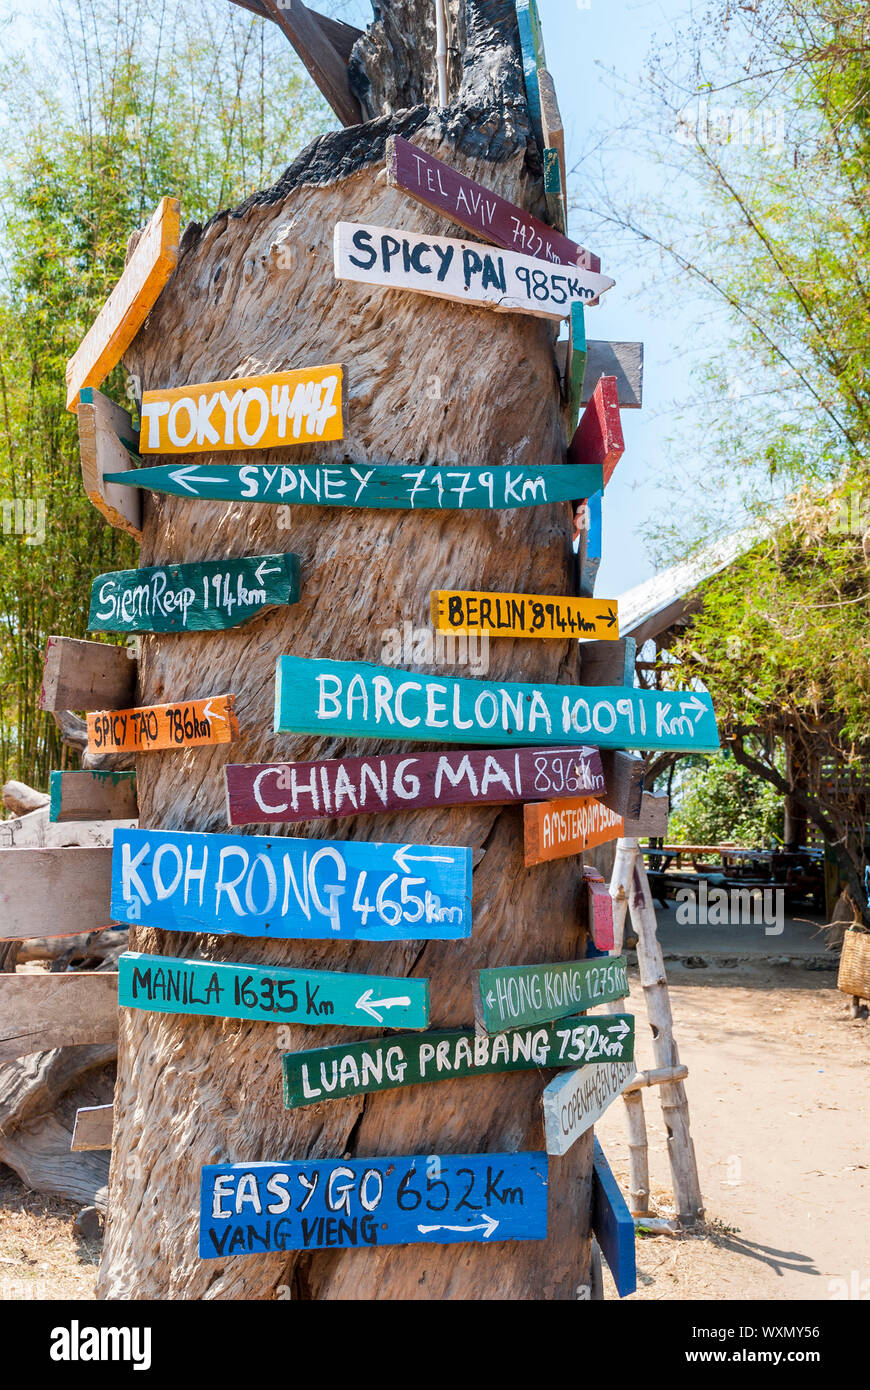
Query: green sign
x=202, y=597
x=330, y=1073
x=516, y=996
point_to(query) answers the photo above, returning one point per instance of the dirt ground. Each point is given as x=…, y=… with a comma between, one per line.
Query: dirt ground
x=778, y=1102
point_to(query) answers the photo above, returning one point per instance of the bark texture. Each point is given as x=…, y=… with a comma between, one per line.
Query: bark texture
x=254, y=292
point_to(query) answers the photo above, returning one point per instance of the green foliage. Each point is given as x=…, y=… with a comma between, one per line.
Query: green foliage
x=122, y=105
x=721, y=802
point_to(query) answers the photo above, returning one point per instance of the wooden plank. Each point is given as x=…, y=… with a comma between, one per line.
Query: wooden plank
x=149, y=267
x=600, y=910
x=589, y=551
x=251, y=885
x=345, y=1203
x=623, y=780
x=205, y=597
x=573, y=371
x=519, y=996
x=167, y=985
x=338, y=697
x=326, y=66
x=600, y=358
x=106, y=438
x=598, y=438
x=93, y=1128
x=466, y=272
x=534, y=58
x=54, y=892
x=551, y=124
x=653, y=818
x=387, y=486
x=608, y=663
x=252, y=412
x=384, y=1064
x=185, y=724
x=284, y=793
x=85, y=675
x=89, y=796
x=37, y=831
x=577, y=1099
x=612, y=1224
x=553, y=188
x=523, y=615
x=40, y=1012
x=558, y=829
x=478, y=210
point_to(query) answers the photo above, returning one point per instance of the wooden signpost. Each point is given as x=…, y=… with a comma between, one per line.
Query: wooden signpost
x=106, y=440
x=558, y=829
x=256, y=412
x=466, y=272
x=86, y=675
x=384, y=1064
x=598, y=438
x=54, y=892
x=203, y=597
x=40, y=1012
x=524, y=615
x=128, y=306
x=366, y=701
x=250, y=885
x=517, y=996
x=166, y=985
x=388, y=487
x=534, y=59
x=185, y=724
x=344, y=1204
x=574, y=1101
x=483, y=213
x=612, y=1224
x=600, y=913
x=288, y=792
x=84, y=796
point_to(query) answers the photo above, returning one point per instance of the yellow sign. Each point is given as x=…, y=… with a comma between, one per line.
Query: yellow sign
x=524, y=615
x=255, y=412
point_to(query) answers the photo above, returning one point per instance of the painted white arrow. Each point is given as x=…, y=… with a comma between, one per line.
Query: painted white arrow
x=371, y=1006
x=694, y=705
x=403, y=858
x=264, y=568
x=620, y=1028
x=489, y=1225
x=490, y=999
x=183, y=477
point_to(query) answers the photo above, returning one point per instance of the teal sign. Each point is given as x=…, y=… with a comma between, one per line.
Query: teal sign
x=203, y=597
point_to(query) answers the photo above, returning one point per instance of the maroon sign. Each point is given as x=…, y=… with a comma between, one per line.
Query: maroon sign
x=475, y=208
x=285, y=792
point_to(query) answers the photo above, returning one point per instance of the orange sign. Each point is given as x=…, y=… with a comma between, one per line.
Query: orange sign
x=557, y=829
x=187, y=724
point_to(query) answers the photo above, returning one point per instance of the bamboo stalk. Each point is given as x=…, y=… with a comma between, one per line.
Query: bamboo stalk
x=657, y=1077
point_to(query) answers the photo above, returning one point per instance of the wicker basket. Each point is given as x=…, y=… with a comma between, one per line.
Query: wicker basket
x=854, y=976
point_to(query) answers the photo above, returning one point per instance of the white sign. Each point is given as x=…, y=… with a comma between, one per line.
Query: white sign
x=465, y=271
x=576, y=1099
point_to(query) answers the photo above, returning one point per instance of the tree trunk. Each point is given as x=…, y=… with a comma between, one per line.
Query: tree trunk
x=193, y=1091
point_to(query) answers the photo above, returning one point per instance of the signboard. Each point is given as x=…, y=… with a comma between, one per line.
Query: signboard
x=598, y=437
x=251, y=885
x=83, y=796
x=600, y=910
x=534, y=59
x=466, y=272
x=384, y=1064
x=515, y=996
x=204, y=597
x=573, y=1102
x=153, y=260
x=343, y=1204
x=524, y=615
x=612, y=1224
x=362, y=700
x=86, y=675
x=165, y=985
x=480, y=211
x=558, y=829
x=288, y=792
x=54, y=892
x=389, y=487
x=252, y=412
x=69, y=1008
x=189, y=724
x=106, y=440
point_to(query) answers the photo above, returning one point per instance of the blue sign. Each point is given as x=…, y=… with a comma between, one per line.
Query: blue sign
x=282, y=886
x=343, y=1204
x=612, y=1224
